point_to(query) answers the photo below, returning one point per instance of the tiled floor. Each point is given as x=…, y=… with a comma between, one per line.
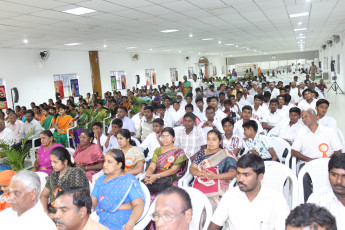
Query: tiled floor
x=337, y=108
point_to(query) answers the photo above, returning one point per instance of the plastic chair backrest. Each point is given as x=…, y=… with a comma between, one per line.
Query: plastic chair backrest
x=71, y=152
x=318, y=172
x=147, y=218
x=281, y=147
x=43, y=180
x=147, y=199
x=182, y=179
x=96, y=176
x=341, y=137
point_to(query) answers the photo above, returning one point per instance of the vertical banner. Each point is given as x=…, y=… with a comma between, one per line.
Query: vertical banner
x=75, y=87
x=58, y=85
x=123, y=82
x=154, y=78
x=147, y=76
x=3, y=99
x=190, y=72
x=113, y=83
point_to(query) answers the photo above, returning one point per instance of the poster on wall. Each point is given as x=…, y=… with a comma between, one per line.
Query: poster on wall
x=173, y=74
x=150, y=76
x=113, y=83
x=214, y=70
x=123, y=82
x=3, y=99
x=190, y=72
x=58, y=85
x=75, y=87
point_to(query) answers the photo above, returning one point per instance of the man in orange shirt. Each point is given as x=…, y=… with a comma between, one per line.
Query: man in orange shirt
x=5, y=179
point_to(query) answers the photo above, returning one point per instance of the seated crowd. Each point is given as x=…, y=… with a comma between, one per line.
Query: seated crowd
x=99, y=153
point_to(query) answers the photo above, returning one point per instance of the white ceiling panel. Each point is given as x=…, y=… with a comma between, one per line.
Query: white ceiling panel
x=103, y=6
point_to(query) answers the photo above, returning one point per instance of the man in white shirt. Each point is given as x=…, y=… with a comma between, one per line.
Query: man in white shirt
x=250, y=205
x=273, y=90
x=333, y=198
x=294, y=92
x=287, y=129
x=272, y=117
x=173, y=210
x=152, y=140
x=176, y=113
x=321, y=109
x=100, y=138
x=195, y=83
x=189, y=137
x=219, y=115
x=164, y=115
x=127, y=122
x=27, y=211
x=17, y=126
x=32, y=126
x=199, y=110
x=246, y=116
x=137, y=117
x=258, y=110
x=6, y=134
x=241, y=101
x=308, y=102
x=210, y=123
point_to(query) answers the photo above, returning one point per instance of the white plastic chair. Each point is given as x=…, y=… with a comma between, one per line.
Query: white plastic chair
x=105, y=128
x=96, y=176
x=318, y=172
x=43, y=179
x=147, y=200
x=281, y=147
x=187, y=177
x=293, y=165
x=146, y=219
x=68, y=135
x=71, y=152
x=280, y=178
x=341, y=137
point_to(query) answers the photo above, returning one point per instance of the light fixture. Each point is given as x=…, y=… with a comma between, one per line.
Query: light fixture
x=301, y=37
x=299, y=15
x=131, y=47
x=199, y=52
x=248, y=49
x=307, y=0
x=72, y=44
x=219, y=42
x=300, y=42
x=300, y=34
x=179, y=51
x=300, y=23
x=190, y=35
x=254, y=50
x=105, y=46
x=300, y=29
x=150, y=49
x=79, y=11
x=228, y=44
x=168, y=31
x=236, y=46
x=25, y=41
x=207, y=39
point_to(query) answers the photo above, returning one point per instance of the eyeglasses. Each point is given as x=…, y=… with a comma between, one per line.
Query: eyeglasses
x=165, y=217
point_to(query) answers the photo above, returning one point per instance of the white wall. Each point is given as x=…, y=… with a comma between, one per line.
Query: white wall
x=330, y=52
x=23, y=68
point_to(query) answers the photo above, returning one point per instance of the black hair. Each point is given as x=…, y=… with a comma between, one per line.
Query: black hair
x=210, y=108
x=218, y=134
x=161, y=106
x=322, y=101
x=170, y=130
x=191, y=115
x=267, y=94
x=337, y=161
x=81, y=197
x=252, y=161
x=30, y=111
x=306, y=90
x=48, y=133
x=282, y=88
x=118, y=122
x=311, y=215
x=189, y=106
x=247, y=107
x=227, y=119
x=89, y=133
x=119, y=156
x=251, y=123
x=214, y=97
x=167, y=98
x=259, y=96
x=97, y=123
x=274, y=101
x=227, y=102
x=159, y=121
x=198, y=99
x=222, y=93
x=149, y=108
x=231, y=96
x=239, y=92
x=176, y=102
x=123, y=108
x=62, y=154
x=189, y=95
x=316, y=93
x=208, y=100
x=295, y=110
x=181, y=193
x=126, y=134
x=287, y=98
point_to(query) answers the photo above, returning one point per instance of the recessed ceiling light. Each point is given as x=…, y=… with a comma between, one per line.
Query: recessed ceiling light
x=300, y=29
x=168, y=31
x=254, y=50
x=300, y=42
x=300, y=23
x=301, y=37
x=79, y=11
x=105, y=46
x=236, y=46
x=307, y=0
x=207, y=39
x=25, y=41
x=248, y=49
x=73, y=44
x=131, y=47
x=190, y=35
x=299, y=15
x=219, y=42
x=151, y=49
x=300, y=34
x=199, y=52
x=228, y=44
x=179, y=51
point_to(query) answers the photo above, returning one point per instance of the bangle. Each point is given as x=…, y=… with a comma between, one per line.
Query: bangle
x=158, y=176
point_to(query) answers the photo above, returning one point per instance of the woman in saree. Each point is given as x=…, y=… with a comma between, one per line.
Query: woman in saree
x=38, y=114
x=213, y=168
x=82, y=120
x=62, y=123
x=100, y=113
x=46, y=120
x=186, y=86
x=64, y=175
x=43, y=163
x=135, y=158
x=88, y=156
x=117, y=196
x=92, y=101
x=168, y=164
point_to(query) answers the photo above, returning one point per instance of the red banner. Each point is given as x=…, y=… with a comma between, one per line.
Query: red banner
x=3, y=100
x=58, y=85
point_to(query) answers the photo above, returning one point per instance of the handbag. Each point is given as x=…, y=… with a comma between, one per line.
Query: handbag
x=160, y=184
x=210, y=188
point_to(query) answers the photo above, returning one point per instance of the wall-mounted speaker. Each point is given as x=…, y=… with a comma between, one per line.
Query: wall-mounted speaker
x=138, y=79
x=16, y=94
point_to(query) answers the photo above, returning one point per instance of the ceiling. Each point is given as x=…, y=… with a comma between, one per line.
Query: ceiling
x=260, y=25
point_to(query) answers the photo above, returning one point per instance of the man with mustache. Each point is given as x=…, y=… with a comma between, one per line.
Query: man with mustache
x=73, y=209
x=251, y=205
x=333, y=198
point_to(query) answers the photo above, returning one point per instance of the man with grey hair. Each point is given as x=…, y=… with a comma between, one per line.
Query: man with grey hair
x=26, y=212
x=6, y=134
x=17, y=126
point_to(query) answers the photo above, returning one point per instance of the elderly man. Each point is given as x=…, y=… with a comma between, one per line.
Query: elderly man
x=333, y=198
x=17, y=126
x=73, y=209
x=173, y=210
x=6, y=134
x=26, y=212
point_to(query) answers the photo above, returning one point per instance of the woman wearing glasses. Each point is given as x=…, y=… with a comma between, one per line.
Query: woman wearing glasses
x=168, y=164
